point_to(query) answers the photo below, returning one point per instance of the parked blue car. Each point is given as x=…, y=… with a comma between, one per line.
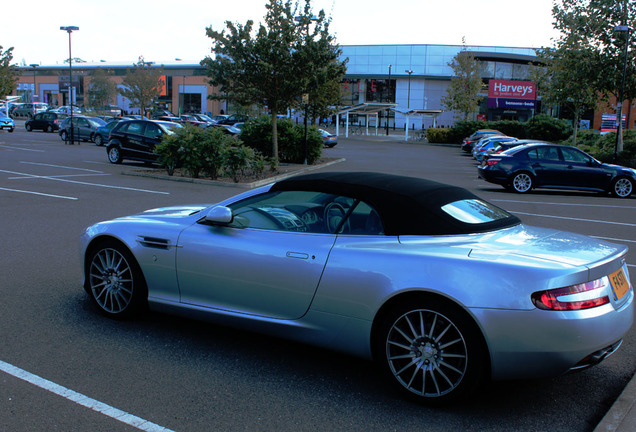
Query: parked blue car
x=6, y=122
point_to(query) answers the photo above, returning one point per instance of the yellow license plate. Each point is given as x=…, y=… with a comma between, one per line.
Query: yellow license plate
x=620, y=284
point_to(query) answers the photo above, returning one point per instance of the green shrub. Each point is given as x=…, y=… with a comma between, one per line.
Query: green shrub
x=208, y=150
x=511, y=128
x=547, y=128
x=169, y=152
x=441, y=136
x=257, y=134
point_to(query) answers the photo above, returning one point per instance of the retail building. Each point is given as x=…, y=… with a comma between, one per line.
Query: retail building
x=413, y=78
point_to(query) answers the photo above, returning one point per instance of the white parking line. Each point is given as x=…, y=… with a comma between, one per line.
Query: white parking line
x=59, y=176
x=576, y=219
x=37, y=193
x=82, y=400
x=564, y=204
x=60, y=166
x=85, y=183
x=20, y=148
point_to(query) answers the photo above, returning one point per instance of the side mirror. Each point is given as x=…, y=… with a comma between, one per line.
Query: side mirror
x=219, y=215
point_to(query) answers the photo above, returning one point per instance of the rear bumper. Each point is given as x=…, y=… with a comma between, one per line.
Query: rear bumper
x=536, y=343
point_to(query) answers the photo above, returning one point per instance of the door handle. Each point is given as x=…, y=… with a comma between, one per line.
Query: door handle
x=300, y=255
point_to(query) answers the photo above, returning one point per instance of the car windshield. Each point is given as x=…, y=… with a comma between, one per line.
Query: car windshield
x=169, y=127
x=97, y=122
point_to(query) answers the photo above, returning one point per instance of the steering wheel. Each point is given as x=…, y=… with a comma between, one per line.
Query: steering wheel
x=333, y=216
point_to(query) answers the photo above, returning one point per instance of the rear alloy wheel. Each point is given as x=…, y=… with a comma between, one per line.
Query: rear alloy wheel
x=114, y=155
x=431, y=350
x=49, y=128
x=28, y=127
x=63, y=135
x=98, y=140
x=521, y=182
x=114, y=280
x=622, y=187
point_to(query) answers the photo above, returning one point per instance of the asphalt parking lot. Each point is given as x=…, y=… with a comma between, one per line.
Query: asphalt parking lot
x=64, y=367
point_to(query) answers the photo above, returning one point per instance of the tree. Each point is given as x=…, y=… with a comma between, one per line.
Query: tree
x=466, y=83
x=142, y=85
x=102, y=89
x=594, y=22
x=290, y=55
x=570, y=77
x=8, y=73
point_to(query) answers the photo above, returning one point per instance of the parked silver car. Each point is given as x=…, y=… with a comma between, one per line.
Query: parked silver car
x=441, y=288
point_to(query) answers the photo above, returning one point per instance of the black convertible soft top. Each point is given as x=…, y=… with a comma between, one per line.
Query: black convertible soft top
x=406, y=205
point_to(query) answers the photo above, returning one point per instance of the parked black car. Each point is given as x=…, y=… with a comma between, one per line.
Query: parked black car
x=545, y=165
x=137, y=139
x=469, y=142
x=234, y=118
x=45, y=121
x=83, y=127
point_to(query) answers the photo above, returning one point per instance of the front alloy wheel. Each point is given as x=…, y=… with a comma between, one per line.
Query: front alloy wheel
x=522, y=182
x=114, y=155
x=432, y=352
x=114, y=281
x=622, y=187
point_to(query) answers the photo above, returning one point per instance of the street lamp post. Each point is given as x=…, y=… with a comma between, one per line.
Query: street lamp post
x=69, y=30
x=389, y=99
x=34, y=65
x=408, y=96
x=619, y=105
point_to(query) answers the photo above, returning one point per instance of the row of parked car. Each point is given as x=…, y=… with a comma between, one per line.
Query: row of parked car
x=523, y=165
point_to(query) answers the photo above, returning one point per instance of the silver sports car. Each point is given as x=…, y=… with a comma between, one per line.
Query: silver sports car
x=441, y=288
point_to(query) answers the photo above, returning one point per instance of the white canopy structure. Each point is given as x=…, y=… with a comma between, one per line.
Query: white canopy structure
x=421, y=113
x=365, y=109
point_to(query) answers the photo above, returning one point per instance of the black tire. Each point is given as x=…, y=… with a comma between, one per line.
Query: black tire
x=28, y=127
x=63, y=135
x=114, y=155
x=622, y=187
x=431, y=350
x=11, y=130
x=49, y=128
x=522, y=182
x=98, y=140
x=114, y=280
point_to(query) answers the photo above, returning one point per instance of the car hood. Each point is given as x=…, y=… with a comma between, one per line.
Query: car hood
x=171, y=212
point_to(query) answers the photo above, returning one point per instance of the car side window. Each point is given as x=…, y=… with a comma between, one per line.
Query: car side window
x=571, y=155
x=548, y=153
x=305, y=211
x=152, y=131
x=135, y=128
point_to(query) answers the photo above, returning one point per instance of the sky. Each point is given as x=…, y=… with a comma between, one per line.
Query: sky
x=161, y=31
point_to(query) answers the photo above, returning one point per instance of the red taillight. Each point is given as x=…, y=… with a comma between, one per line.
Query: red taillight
x=575, y=297
x=492, y=161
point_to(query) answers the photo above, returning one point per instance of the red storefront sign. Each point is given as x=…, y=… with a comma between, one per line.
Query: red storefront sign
x=512, y=89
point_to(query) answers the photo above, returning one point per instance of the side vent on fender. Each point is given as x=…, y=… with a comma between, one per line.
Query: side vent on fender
x=154, y=242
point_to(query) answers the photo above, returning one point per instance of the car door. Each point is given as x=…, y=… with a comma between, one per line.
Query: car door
x=38, y=121
x=82, y=128
x=133, y=139
x=268, y=262
x=152, y=137
x=547, y=165
x=583, y=171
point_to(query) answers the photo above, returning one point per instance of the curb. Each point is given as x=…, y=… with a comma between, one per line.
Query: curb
x=622, y=415
x=251, y=185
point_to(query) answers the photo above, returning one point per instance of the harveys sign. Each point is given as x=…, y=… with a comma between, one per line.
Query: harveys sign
x=512, y=89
